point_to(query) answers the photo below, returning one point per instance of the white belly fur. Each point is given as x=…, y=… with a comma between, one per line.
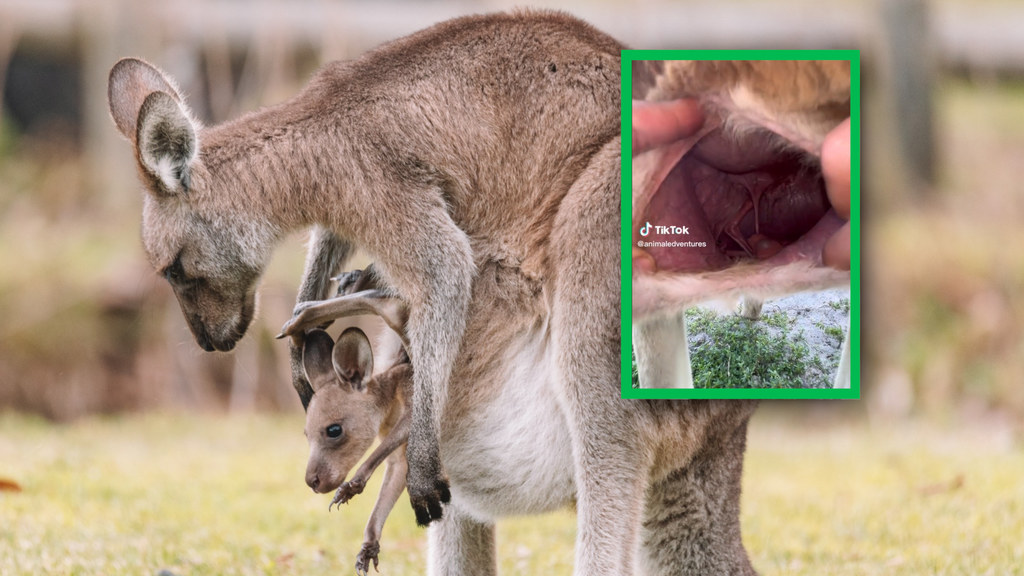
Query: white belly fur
x=512, y=456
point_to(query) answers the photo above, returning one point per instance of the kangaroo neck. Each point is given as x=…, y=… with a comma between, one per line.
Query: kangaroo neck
x=276, y=166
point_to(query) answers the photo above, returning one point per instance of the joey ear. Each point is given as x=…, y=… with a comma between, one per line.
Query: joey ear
x=316, y=359
x=166, y=141
x=353, y=358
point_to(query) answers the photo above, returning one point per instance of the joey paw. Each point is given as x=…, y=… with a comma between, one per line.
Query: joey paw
x=366, y=555
x=346, y=492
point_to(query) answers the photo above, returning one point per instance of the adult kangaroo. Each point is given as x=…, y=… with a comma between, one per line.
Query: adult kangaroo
x=477, y=162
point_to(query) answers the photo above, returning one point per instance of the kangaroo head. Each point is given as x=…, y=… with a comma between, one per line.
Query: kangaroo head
x=211, y=255
x=346, y=410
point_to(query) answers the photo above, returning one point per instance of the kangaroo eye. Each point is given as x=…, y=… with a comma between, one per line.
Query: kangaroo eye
x=334, y=430
x=175, y=273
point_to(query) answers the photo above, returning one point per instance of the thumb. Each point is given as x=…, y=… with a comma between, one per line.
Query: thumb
x=658, y=123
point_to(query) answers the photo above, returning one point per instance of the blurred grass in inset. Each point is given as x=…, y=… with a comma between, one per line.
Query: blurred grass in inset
x=205, y=495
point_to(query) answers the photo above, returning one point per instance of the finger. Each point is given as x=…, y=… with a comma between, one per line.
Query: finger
x=643, y=263
x=659, y=123
x=836, y=252
x=835, y=167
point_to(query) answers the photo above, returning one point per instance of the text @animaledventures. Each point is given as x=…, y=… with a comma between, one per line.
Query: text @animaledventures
x=671, y=244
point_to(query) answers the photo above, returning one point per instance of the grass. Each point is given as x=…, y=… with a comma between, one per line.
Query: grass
x=892, y=500
x=732, y=352
x=212, y=495
x=841, y=305
x=729, y=351
x=199, y=495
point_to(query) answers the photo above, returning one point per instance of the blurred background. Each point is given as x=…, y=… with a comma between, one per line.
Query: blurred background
x=86, y=327
x=932, y=455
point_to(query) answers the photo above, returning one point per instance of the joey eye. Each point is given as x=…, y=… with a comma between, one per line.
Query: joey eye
x=334, y=430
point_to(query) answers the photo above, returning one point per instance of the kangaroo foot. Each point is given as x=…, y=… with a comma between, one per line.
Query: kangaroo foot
x=303, y=319
x=317, y=313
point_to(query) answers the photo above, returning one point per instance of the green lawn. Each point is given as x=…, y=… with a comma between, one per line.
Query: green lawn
x=212, y=495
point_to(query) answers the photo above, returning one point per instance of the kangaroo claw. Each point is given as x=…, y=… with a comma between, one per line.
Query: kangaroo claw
x=427, y=505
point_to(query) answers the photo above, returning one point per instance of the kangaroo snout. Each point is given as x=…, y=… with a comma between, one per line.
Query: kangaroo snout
x=320, y=475
x=313, y=481
x=212, y=329
x=202, y=336
x=209, y=343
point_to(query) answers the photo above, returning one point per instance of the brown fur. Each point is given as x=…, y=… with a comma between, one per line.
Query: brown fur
x=414, y=135
x=478, y=163
x=808, y=95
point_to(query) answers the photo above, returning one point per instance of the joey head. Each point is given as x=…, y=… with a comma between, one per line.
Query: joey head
x=349, y=409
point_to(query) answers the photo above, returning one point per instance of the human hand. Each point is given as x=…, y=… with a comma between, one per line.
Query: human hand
x=658, y=123
x=835, y=167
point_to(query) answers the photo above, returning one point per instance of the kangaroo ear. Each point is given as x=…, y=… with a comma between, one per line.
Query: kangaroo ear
x=353, y=358
x=316, y=359
x=148, y=110
x=131, y=81
x=166, y=141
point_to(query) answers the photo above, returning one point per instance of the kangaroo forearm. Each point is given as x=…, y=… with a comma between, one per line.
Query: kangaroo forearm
x=327, y=253
x=434, y=333
x=395, y=439
x=437, y=287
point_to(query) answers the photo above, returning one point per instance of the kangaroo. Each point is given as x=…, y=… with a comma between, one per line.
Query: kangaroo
x=507, y=449
x=748, y=184
x=349, y=408
x=477, y=162
x=411, y=152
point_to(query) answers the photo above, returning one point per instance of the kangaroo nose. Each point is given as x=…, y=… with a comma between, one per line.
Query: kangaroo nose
x=313, y=481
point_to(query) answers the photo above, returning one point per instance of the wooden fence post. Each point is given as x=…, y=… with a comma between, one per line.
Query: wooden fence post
x=908, y=68
x=104, y=154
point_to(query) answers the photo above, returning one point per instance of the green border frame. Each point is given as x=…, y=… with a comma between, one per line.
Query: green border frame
x=626, y=373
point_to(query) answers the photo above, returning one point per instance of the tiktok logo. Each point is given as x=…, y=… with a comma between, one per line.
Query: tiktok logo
x=664, y=230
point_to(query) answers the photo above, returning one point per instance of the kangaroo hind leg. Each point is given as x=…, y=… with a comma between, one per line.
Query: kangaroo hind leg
x=610, y=465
